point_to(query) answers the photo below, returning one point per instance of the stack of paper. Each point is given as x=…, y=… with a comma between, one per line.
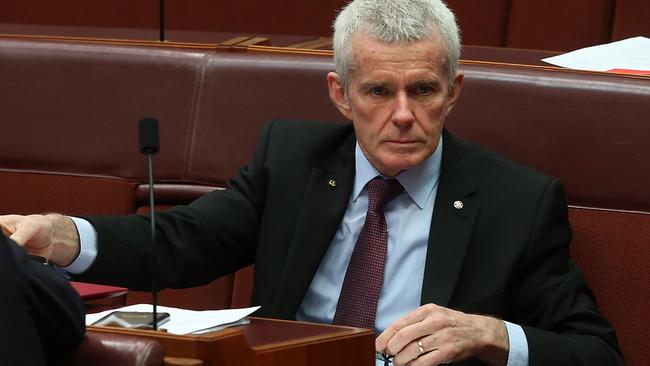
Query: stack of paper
x=629, y=56
x=184, y=321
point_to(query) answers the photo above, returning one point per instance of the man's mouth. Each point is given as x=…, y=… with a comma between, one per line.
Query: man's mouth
x=402, y=142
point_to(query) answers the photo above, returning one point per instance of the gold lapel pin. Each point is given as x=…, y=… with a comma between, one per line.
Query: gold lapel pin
x=332, y=183
x=458, y=205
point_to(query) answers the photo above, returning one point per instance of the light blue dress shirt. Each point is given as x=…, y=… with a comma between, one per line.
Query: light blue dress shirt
x=408, y=217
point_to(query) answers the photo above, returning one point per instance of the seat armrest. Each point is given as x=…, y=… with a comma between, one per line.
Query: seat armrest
x=118, y=349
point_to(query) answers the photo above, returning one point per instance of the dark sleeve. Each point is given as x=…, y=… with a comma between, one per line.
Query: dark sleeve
x=44, y=313
x=554, y=305
x=195, y=244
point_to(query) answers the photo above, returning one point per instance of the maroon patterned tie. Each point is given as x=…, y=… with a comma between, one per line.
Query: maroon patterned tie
x=357, y=304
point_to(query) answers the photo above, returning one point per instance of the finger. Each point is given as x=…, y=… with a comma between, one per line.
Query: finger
x=426, y=321
x=408, y=328
x=23, y=233
x=415, y=349
x=7, y=230
x=381, y=343
x=434, y=357
x=8, y=224
x=20, y=237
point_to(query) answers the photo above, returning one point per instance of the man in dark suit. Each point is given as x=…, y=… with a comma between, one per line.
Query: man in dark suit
x=464, y=232
x=42, y=317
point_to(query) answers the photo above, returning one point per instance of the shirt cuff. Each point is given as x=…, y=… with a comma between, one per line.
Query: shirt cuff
x=87, y=247
x=518, y=353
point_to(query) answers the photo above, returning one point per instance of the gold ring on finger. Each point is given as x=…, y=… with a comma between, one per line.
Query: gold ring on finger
x=420, y=347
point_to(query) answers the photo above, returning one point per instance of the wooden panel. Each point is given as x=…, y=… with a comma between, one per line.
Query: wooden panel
x=559, y=25
x=482, y=22
x=114, y=13
x=312, y=18
x=631, y=19
x=556, y=25
x=268, y=342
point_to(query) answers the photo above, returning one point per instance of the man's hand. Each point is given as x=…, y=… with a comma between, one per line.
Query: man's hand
x=434, y=335
x=53, y=236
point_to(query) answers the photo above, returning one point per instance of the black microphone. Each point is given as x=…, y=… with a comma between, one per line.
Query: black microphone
x=149, y=136
x=149, y=145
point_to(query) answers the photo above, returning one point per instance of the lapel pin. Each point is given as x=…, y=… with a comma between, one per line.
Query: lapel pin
x=458, y=205
x=332, y=183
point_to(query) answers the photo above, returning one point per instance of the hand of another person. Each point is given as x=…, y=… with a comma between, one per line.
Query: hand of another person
x=434, y=335
x=52, y=236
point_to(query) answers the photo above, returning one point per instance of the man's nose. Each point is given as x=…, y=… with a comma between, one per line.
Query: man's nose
x=402, y=113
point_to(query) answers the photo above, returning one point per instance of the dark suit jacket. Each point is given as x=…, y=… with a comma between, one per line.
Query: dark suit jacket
x=41, y=316
x=505, y=253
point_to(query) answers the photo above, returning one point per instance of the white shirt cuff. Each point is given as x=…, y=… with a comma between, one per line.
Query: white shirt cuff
x=87, y=247
x=518, y=353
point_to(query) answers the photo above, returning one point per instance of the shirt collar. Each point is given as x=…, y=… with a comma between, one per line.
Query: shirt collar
x=418, y=182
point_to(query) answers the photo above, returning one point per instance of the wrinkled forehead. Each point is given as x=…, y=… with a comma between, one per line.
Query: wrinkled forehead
x=365, y=49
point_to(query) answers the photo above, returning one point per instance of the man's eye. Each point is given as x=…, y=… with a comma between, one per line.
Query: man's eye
x=377, y=91
x=424, y=90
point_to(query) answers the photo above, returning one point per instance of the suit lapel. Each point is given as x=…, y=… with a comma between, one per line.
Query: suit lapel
x=326, y=199
x=324, y=206
x=454, y=215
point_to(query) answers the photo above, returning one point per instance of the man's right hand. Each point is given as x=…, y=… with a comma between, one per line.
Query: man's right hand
x=53, y=236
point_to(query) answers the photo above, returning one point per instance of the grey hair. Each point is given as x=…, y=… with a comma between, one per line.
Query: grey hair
x=395, y=21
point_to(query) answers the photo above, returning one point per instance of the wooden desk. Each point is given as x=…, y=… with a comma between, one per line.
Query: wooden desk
x=268, y=342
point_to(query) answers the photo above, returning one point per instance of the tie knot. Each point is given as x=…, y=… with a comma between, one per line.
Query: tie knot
x=380, y=191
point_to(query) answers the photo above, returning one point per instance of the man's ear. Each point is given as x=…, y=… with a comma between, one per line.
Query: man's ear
x=338, y=95
x=454, y=91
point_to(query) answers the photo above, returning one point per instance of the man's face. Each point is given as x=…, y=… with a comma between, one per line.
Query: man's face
x=398, y=97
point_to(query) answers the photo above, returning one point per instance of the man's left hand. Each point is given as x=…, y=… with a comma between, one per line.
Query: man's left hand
x=434, y=335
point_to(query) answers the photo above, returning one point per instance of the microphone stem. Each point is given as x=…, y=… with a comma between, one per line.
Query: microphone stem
x=154, y=290
x=162, y=20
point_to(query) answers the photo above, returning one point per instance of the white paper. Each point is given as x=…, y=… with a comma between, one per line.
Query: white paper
x=628, y=54
x=184, y=321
